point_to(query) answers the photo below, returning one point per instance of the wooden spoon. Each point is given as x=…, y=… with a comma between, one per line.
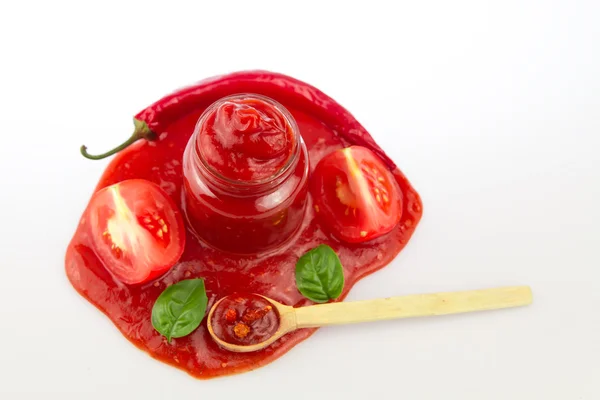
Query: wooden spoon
x=417, y=305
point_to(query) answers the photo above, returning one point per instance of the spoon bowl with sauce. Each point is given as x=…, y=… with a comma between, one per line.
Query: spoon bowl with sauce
x=250, y=322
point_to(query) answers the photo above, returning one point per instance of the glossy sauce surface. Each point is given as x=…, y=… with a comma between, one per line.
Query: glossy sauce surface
x=245, y=319
x=245, y=139
x=272, y=274
x=245, y=175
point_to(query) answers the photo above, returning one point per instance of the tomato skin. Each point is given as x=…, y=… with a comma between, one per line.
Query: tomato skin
x=355, y=195
x=137, y=230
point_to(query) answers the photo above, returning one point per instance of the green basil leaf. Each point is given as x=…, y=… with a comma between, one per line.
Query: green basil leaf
x=179, y=310
x=319, y=274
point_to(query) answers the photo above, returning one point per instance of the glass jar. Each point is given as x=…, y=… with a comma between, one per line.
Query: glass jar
x=245, y=172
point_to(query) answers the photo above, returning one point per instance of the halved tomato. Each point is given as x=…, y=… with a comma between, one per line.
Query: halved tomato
x=137, y=231
x=356, y=195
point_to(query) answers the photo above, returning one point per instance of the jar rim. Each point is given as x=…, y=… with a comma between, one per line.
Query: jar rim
x=281, y=173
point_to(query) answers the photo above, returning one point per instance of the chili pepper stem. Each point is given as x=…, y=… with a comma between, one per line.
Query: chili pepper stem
x=141, y=131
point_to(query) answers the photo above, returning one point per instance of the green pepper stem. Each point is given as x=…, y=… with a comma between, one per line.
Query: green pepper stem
x=141, y=131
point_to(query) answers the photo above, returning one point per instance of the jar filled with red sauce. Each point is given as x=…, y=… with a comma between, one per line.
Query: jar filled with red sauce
x=245, y=175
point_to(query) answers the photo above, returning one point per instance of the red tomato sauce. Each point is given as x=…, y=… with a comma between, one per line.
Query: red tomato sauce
x=245, y=139
x=270, y=274
x=245, y=319
x=245, y=175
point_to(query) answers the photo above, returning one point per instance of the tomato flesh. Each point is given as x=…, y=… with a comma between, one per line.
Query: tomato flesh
x=355, y=195
x=137, y=231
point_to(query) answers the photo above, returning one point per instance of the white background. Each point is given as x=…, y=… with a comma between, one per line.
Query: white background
x=492, y=109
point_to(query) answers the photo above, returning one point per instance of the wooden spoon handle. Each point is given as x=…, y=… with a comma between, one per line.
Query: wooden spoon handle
x=418, y=305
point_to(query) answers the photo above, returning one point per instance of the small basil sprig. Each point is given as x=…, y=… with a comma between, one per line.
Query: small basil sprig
x=319, y=274
x=179, y=310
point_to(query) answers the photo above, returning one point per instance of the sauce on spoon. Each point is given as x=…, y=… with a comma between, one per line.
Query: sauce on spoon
x=245, y=319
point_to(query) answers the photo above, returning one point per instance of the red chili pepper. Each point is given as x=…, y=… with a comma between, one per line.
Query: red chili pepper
x=150, y=122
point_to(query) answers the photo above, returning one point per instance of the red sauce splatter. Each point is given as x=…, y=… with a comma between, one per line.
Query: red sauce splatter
x=272, y=274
